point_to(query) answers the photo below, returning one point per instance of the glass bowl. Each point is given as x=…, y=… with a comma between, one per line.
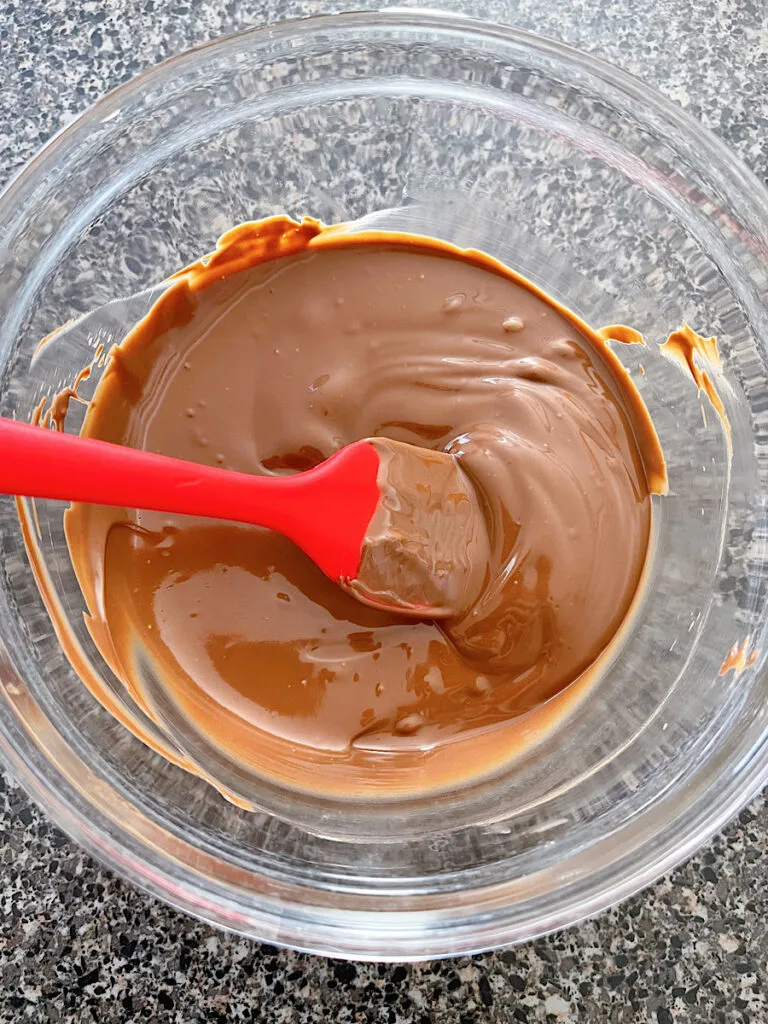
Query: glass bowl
x=616, y=203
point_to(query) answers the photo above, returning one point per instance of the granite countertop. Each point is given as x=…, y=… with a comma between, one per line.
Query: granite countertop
x=76, y=943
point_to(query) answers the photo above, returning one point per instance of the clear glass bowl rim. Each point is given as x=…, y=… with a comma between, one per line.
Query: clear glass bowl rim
x=438, y=928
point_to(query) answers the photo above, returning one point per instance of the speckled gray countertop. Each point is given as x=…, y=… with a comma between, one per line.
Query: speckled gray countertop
x=76, y=943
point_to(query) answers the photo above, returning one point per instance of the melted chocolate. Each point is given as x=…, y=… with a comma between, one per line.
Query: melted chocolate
x=289, y=342
x=426, y=550
x=693, y=353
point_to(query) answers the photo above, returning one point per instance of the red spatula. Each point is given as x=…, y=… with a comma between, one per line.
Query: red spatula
x=377, y=517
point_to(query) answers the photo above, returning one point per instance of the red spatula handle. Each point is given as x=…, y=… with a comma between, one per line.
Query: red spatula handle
x=326, y=511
